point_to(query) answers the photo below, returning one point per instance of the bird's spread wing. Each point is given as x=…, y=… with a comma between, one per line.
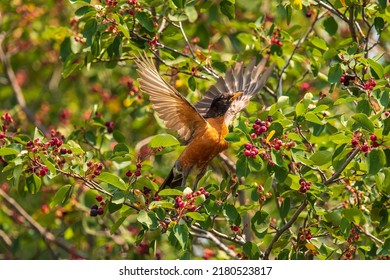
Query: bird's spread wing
x=176, y=112
x=248, y=80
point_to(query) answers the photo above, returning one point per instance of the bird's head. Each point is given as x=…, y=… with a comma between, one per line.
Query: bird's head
x=221, y=104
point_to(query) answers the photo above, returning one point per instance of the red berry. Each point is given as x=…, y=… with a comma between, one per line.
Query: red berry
x=100, y=211
x=248, y=146
x=365, y=148
x=374, y=144
x=137, y=172
x=373, y=137
x=348, y=255
x=354, y=142
x=2, y=135
x=129, y=173
x=63, y=151
x=235, y=228
x=247, y=153
x=99, y=198
x=180, y=204
x=139, y=165
x=96, y=172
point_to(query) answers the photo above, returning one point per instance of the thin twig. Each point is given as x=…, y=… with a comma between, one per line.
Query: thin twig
x=284, y=228
x=47, y=236
x=332, y=10
x=161, y=45
x=303, y=39
x=208, y=235
x=345, y=164
x=16, y=88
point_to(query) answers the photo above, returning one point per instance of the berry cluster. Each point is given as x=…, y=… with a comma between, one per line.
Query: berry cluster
x=134, y=7
x=109, y=126
x=261, y=126
x=275, y=39
x=305, y=186
x=136, y=172
x=187, y=201
x=370, y=84
x=263, y=195
x=346, y=78
x=97, y=210
x=250, y=150
x=305, y=234
x=350, y=250
x=359, y=141
x=94, y=169
x=112, y=3
x=6, y=121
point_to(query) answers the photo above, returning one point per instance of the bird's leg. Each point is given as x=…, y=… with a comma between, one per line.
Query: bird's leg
x=198, y=177
x=186, y=172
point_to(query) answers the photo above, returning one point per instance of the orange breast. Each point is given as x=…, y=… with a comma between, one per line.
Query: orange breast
x=205, y=145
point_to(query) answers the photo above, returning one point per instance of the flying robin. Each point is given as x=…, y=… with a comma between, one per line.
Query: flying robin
x=204, y=125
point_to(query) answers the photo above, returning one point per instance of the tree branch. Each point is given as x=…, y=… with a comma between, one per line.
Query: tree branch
x=208, y=235
x=284, y=228
x=16, y=88
x=303, y=39
x=47, y=236
x=345, y=164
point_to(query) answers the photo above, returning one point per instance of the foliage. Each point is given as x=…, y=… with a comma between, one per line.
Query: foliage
x=82, y=153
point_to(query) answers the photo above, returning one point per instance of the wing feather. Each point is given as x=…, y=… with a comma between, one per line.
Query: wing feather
x=249, y=80
x=175, y=110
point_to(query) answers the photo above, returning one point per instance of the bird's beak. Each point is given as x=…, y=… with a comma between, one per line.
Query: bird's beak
x=235, y=96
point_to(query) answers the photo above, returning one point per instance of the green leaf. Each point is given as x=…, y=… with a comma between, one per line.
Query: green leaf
x=120, y=221
x=379, y=24
x=83, y=10
x=33, y=183
x=330, y=25
x=146, y=182
x=113, y=180
x=376, y=160
x=145, y=20
x=170, y=192
x=260, y=222
x=163, y=140
x=178, y=3
x=191, y=13
x=242, y=167
x=48, y=163
x=61, y=196
x=385, y=249
x=321, y=157
x=8, y=151
x=192, y=83
x=196, y=216
x=376, y=67
x=354, y=215
x=386, y=128
x=89, y=31
x=232, y=137
x=228, y=8
x=148, y=219
x=251, y=250
x=181, y=233
x=285, y=207
x=319, y=43
x=311, y=117
x=364, y=121
x=335, y=73
x=231, y=212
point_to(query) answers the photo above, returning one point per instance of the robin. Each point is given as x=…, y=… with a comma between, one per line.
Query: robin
x=204, y=125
